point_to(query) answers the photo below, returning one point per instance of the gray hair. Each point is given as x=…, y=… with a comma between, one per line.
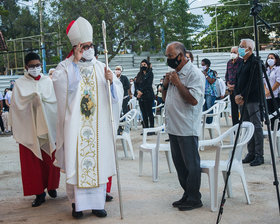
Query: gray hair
x=250, y=43
x=234, y=48
x=179, y=47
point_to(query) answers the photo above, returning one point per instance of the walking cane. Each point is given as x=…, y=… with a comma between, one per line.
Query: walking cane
x=112, y=119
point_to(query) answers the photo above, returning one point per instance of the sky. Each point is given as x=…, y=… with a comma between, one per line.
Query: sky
x=194, y=4
x=200, y=3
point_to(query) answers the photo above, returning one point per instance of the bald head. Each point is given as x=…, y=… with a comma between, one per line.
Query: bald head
x=177, y=47
x=176, y=55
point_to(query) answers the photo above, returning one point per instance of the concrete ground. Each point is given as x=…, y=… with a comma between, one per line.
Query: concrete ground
x=144, y=201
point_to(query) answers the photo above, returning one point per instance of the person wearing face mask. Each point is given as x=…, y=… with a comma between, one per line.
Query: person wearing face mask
x=33, y=113
x=210, y=86
x=126, y=87
x=144, y=93
x=189, y=56
x=273, y=72
x=159, y=92
x=183, y=92
x=85, y=147
x=248, y=67
x=231, y=71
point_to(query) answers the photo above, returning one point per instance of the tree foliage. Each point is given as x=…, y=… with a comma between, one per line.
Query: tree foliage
x=233, y=17
x=131, y=22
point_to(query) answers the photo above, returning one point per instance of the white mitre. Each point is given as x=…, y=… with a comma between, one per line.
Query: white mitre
x=80, y=31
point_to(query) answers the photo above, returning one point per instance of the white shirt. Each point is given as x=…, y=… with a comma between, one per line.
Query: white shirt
x=8, y=96
x=183, y=119
x=273, y=76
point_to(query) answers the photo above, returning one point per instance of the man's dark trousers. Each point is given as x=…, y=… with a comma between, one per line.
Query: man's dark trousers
x=186, y=159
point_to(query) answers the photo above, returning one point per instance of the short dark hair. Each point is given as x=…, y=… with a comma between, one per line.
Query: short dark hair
x=277, y=59
x=31, y=56
x=191, y=55
x=206, y=61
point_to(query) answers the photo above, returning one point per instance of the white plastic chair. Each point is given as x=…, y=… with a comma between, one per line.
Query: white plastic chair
x=126, y=121
x=158, y=117
x=275, y=135
x=154, y=149
x=211, y=167
x=216, y=109
x=133, y=104
x=227, y=110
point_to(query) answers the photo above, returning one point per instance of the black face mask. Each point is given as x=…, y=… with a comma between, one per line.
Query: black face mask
x=173, y=62
x=143, y=68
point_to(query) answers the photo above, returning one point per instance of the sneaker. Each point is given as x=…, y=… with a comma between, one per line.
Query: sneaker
x=190, y=205
x=257, y=161
x=249, y=158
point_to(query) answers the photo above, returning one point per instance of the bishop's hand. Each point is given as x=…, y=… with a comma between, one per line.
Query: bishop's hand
x=78, y=53
x=108, y=75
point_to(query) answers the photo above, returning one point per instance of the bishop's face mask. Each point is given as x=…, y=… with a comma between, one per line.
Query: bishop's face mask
x=173, y=62
x=88, y=54
x=35, y=72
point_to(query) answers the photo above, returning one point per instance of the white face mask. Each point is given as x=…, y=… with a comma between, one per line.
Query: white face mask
x=204, y=67
x=233, y=56
x=35, y=72
x=88, y=54
x=118, y=72
x=131, y=83
x=270, y=62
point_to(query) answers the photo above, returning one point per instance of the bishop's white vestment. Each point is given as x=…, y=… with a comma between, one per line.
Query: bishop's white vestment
x=85, y=149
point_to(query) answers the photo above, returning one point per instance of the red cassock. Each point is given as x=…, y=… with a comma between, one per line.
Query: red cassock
x=109, y=185
x=37, y=175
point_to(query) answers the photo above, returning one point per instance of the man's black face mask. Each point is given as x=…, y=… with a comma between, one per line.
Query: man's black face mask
x=173, y=62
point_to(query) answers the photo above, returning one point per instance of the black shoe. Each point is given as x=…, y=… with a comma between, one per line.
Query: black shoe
x=257, y=161
x=249, y=158
x=189, y=205
x=109, y=197
x=52, y=193
x=167, y=140
x=75, y=214
x=40, y=199
x=179, y=202
x=100, y=213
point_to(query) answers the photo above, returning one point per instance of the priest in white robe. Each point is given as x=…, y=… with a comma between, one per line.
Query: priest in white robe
x=33, y=114
x=85, y=147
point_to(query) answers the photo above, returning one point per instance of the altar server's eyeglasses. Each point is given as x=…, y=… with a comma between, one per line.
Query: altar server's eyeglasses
x=86, y=47
x=34, y=66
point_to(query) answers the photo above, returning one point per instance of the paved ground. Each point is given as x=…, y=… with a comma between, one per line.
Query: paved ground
x=144, y=201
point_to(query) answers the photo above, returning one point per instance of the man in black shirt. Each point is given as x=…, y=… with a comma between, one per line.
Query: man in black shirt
x=126, y=86
x=248, y=67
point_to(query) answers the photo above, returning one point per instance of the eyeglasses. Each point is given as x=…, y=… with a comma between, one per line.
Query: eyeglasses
x=86, y=47
x=34, y=66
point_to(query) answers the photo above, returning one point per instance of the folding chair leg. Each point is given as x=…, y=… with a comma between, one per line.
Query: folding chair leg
x=141, y=154
x=169, y=162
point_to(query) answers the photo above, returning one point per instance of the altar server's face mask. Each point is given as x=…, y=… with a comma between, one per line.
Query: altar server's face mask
x=34, y=70
x=88, y=54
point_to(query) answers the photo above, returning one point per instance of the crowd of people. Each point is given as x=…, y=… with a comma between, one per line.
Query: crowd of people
x=63, y=121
